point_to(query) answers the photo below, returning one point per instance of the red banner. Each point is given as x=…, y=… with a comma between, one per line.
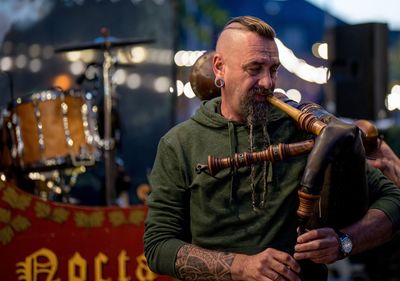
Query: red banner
x=49, y=241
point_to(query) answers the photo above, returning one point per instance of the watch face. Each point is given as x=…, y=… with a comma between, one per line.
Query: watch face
x=347, y=246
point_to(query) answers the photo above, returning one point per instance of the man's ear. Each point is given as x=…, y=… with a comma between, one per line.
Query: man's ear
x=218, y=65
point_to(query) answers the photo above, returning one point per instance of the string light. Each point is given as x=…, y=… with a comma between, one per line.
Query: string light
x=299, y=67
x=393, y=99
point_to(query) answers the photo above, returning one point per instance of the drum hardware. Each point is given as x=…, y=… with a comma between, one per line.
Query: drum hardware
x=44, y=187
x=56, y=185
x=16, y=138
x=107, y=144
x=105, y=43
x=108, y=141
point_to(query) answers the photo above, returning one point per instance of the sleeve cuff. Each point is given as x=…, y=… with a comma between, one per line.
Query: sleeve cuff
x=169, y=250
x=391, y=209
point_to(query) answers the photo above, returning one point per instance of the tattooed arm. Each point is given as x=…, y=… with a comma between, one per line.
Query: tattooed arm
x=195, y=263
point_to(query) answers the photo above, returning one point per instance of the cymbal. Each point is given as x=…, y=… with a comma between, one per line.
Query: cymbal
x=103, y=43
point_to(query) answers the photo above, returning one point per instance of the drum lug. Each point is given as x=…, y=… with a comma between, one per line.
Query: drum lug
x=84, y=158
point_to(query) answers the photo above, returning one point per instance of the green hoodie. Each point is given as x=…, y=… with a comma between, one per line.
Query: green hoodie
x=215, y=212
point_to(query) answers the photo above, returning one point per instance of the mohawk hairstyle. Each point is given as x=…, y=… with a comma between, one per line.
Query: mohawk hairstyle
x=253, y=24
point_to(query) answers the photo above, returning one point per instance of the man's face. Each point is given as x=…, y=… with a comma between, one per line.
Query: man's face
x=250, y=68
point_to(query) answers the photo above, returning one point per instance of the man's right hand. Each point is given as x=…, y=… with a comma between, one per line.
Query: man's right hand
x=269, y=265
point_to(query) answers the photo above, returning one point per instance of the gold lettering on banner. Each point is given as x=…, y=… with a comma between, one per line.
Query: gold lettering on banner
x=41, y=263
x=143, y=272
x=122, y=259
x=77, y=268
x=99, y=260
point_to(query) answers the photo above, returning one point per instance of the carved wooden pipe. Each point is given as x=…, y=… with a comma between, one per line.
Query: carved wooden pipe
x=272, y=153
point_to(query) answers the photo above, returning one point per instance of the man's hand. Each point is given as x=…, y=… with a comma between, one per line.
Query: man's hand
x=319, y=245
x=388, y=162
x=269, y=265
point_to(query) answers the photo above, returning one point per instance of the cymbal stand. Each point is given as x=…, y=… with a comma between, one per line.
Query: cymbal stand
x=108, y=141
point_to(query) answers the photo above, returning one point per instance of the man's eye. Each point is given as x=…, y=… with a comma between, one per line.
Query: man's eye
x=254, y=70
x=274, y=71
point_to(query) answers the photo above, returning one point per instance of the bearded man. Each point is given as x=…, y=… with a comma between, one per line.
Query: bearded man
x=241, y=223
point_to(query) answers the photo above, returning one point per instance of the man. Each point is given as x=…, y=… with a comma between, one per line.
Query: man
x=241, y=223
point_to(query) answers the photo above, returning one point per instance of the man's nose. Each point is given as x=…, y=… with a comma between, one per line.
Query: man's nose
x=266, y=81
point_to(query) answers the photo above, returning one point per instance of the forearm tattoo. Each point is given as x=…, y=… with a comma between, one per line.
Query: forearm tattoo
x=193, y=263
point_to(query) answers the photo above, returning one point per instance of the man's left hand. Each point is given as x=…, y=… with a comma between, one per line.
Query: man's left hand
x=319, y=245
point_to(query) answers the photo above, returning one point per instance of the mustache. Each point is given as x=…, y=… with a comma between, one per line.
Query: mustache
x=261, y=91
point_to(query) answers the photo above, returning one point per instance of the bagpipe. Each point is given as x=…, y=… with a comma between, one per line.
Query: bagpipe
x=333, y=191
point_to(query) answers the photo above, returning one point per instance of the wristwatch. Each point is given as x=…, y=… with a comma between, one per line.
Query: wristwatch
x=345, y=244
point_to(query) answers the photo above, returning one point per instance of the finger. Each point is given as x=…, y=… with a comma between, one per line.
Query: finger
x=281, y=264
x=325, y=259
x=319, y=253
x=274, y=276
x=286, y=260
x=314, y=234
x=279, y=278
x=373, y=163
x=271, y=274
x=327, y=256
x=287, y=267
x=390, y=171
x=290, y=263
x=319, y=244
x=287, y=273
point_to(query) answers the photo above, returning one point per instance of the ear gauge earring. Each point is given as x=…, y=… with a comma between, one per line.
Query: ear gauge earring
x=219, y=82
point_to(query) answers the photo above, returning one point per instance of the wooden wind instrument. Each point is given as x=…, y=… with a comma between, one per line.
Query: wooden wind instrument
x=272, y=153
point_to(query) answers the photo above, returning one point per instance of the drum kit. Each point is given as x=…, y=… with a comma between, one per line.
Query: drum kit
x=51, y=136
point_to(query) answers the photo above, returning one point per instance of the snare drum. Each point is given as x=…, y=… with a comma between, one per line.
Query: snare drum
x=51, y=129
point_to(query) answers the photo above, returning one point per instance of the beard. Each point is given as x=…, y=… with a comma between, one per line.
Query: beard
x=256, y=112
